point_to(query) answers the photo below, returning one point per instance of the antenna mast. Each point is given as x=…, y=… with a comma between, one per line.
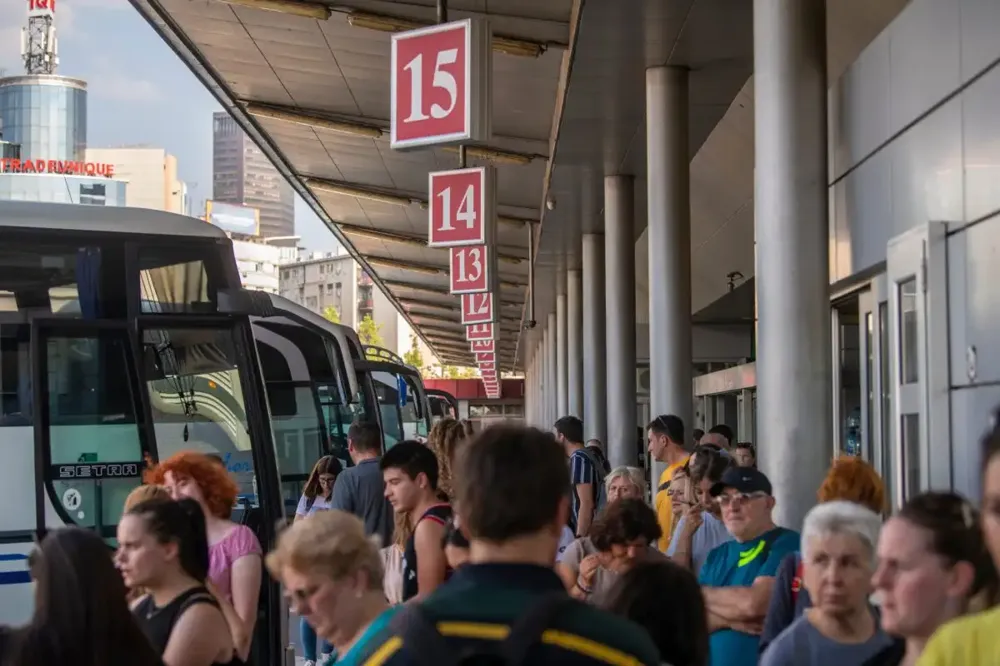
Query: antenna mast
x=39, y=45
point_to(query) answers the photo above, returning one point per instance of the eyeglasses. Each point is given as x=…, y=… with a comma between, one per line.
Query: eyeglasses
x=741, y=498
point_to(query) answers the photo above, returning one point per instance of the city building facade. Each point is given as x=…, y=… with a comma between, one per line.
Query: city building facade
x=151, y=174
x=242, y=174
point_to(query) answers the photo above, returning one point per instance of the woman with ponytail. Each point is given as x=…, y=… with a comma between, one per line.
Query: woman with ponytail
x=163, y=548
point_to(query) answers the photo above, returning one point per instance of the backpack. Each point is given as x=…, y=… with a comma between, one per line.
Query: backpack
x=427, y=647
x=600, y=493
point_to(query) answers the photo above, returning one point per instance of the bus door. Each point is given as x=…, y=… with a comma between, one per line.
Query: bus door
x=202, y=376
x=402, y=403
x=90, y=442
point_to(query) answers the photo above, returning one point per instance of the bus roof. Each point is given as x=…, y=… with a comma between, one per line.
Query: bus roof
x=102, y=219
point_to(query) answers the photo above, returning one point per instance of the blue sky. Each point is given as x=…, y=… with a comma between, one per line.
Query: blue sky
x=140, y=92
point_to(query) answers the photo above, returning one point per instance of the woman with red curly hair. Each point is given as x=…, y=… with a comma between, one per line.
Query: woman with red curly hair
x=234, y=552
x=849, y=479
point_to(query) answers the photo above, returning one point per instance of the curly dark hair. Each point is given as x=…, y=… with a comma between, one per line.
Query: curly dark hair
x=623, y=522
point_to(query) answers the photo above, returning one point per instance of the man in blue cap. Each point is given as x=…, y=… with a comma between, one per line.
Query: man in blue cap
x=738, y=576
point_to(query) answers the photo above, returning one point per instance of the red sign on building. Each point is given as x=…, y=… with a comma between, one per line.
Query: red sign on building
x=483, y=345
x=487, y=367
x=479, y=332
x=471, y=269
x=461, y=207
x=477, y=309
x=440, y=84
x=486, y=357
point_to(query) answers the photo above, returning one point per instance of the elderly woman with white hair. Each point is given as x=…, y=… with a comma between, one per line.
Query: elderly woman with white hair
x=838, y=553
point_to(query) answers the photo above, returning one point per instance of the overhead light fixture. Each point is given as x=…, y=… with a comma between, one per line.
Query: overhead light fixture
x=352, y=129
x=303, y=8
x=358, y=193
x=383, y=23
x=494, y=155
x=404, y=266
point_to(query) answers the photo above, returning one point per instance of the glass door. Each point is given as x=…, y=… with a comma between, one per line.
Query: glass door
x=917, y=285
x=90, y=443
x=872, y=311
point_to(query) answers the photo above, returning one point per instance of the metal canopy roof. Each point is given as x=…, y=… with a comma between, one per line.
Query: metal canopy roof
x=568, y=108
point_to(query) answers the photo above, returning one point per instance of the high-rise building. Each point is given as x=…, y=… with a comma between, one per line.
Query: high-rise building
x=151, y=174
x=242, y=174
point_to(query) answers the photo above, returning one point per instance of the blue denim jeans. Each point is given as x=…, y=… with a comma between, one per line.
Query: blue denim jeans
x=309, y=641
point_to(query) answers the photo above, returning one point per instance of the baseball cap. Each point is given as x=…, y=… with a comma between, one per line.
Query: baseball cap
x=744, y=479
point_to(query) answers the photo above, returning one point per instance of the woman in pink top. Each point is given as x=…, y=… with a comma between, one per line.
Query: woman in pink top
x=234, y=570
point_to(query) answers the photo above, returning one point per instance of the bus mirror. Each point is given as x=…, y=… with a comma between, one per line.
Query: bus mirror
x=241, y=301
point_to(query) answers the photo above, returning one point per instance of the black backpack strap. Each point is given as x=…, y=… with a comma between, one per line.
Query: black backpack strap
x=424, y=644
x=526, y=631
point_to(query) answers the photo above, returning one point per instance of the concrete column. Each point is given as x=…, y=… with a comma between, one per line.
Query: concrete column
x=595, y=421
x=574, y=343
x=544, y=379
x=562, y=390
x=794, y=363
x=529, y=387
x=619, y=264
x=552, y=394
x=669, y=233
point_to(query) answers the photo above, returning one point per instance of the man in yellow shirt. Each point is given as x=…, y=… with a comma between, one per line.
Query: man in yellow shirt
x=665, y=435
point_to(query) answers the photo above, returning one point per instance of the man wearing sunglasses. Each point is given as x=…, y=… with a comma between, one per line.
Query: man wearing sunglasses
x=737, y=576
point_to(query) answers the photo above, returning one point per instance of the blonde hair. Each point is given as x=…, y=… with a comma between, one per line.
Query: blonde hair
x=633, y=474
x=332, y=543
x=403, y=530
x=149, y=491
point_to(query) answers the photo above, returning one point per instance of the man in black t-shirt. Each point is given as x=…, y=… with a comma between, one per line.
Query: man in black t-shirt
x=410, y=471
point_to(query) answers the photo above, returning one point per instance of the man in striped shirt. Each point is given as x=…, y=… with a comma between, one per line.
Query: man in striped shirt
x=584, y=477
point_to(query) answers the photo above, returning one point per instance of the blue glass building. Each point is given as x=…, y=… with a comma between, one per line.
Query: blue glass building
x=46, y=114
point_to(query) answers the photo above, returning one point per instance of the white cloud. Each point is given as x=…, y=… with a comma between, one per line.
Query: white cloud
x=111, y=82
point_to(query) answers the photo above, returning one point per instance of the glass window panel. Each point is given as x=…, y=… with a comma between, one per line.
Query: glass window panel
x=870, y=380
x=94, y=444
x=910, y=439
x=909, y=366
x=196, y=400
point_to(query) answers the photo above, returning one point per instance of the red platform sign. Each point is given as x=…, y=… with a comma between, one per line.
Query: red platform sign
x=478, y=309
x=471, y=269
x=461, y=207
x=440, y=84
x=486, y=357
x=487, y=367
x=483, y=345
x=479, y=332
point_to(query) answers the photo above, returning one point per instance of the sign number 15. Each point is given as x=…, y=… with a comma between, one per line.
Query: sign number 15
x=442, y=79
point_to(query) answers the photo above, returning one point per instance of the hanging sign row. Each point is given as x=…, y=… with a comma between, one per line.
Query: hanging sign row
x=441, y=94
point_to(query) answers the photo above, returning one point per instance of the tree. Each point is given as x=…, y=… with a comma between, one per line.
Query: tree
x=414, y=356
x=370, y=333
x=331, y=314
x=454, y=372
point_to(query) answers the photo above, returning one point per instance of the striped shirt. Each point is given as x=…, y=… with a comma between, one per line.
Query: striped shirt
x=581, y=470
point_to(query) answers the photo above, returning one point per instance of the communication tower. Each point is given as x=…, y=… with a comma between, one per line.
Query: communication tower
x=39, y=45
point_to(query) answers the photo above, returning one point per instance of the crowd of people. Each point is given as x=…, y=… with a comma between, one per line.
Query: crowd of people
x=519, y=546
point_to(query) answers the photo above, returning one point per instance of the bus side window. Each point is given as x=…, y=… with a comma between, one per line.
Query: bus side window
x=413, y=418
x=388, y=403
x=196, y=401
x=94, y=447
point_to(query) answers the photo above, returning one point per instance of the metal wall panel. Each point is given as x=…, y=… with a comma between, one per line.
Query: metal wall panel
x=924, y=52
x=981, y=148
x=980, y=24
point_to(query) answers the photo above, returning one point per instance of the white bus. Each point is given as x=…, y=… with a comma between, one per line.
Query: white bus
x=320, y=379
x=124, y=337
